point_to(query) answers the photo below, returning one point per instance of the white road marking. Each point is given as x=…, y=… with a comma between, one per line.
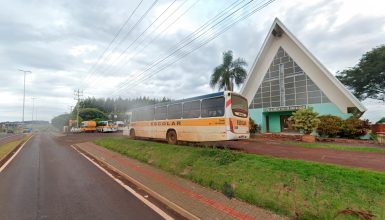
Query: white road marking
x=14, y=155
x=129, y=189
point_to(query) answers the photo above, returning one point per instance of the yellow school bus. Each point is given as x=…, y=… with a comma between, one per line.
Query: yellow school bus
x=213, y=117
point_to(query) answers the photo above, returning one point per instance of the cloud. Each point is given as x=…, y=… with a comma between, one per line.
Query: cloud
x=61, y=41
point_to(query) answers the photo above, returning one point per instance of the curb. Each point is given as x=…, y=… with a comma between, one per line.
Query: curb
x=154, y=194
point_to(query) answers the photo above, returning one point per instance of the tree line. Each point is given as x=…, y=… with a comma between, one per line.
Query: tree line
x=119, y=105
x=99, y=109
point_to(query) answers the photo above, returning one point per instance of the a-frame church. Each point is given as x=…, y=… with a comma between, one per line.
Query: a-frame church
x=286, y=77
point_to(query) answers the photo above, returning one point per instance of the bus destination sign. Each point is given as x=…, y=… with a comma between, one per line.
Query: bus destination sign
x=284, y=108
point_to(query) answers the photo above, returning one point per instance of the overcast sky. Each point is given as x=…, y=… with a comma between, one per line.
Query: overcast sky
x=61, y=42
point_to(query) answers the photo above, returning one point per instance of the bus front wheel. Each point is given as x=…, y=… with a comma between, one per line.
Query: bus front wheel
x=171, y=137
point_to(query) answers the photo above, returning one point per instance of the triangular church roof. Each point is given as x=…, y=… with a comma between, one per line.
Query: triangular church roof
x=279, y=36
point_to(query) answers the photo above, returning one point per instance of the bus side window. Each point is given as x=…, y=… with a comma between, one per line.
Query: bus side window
x=192, y=109
x=161, y=113
x=213, y=107
x=174, y=111
x=138, y=115
x=148, y=114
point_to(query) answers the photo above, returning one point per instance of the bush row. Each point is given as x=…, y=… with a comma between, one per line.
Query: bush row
x=334, y=126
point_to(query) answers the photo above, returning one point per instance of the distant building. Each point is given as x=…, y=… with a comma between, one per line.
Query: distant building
x=286, y=77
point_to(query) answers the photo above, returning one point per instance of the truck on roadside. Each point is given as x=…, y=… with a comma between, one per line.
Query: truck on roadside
x=106, y=126
x=88, y=126
x=120, y=125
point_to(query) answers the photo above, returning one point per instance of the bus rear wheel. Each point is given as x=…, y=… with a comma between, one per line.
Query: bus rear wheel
x=132, y=133
x=172, y=137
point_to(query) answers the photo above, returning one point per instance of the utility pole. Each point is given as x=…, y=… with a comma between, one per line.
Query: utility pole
x=77, y=94
x=33, y=106
x=25, y=72
x=71, y=107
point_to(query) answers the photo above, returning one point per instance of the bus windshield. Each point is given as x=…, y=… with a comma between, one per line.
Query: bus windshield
x=239, y=106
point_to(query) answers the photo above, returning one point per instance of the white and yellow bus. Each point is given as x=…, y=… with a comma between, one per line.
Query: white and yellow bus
x=212, y=117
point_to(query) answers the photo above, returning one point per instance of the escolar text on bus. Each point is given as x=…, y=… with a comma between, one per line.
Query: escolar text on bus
x=164, y=123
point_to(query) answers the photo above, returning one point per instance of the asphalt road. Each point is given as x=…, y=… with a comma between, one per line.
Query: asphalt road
x=49, y=180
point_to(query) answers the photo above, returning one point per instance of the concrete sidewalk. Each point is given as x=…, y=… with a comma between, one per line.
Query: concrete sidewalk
x=187, y=198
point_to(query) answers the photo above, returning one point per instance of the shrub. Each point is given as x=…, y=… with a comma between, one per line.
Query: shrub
x=228, y=190
x=354, y=127
x=329, y=126
x=305, y=120
x=252, y=126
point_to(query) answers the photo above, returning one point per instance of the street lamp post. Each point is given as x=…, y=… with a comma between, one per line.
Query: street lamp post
x=33, y=106
x=25, y=72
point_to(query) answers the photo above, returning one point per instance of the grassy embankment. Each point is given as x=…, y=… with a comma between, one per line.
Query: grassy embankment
x=6, y=148
x=342, y=147
x=289, y=187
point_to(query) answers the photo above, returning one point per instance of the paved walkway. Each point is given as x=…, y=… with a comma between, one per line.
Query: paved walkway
x=357, y=159
x=193, y=201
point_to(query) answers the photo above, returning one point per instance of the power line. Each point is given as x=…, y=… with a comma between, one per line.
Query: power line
x=198, y=30
x=191, y=38
x=140, y=43
x=140, y=35
x=157, y=35
x=136, y=83
x=179, y=43
x=132, y=28
x=112, y=41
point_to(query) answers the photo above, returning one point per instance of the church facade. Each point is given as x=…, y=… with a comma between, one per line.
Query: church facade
x=286, y=77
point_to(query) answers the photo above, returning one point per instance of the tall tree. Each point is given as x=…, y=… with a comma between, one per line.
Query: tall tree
x=60, y=121
x=228, y=72
x=92, y=114
x=367, y=78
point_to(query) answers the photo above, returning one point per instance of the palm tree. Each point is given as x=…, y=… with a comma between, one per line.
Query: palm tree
x=228, y=72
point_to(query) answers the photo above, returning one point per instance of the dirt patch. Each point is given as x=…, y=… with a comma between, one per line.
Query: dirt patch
x=367, y=160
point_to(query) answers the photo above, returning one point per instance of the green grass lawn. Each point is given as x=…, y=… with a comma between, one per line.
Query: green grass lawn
x=288, y=187
x=6, y=148
x=337, y=146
